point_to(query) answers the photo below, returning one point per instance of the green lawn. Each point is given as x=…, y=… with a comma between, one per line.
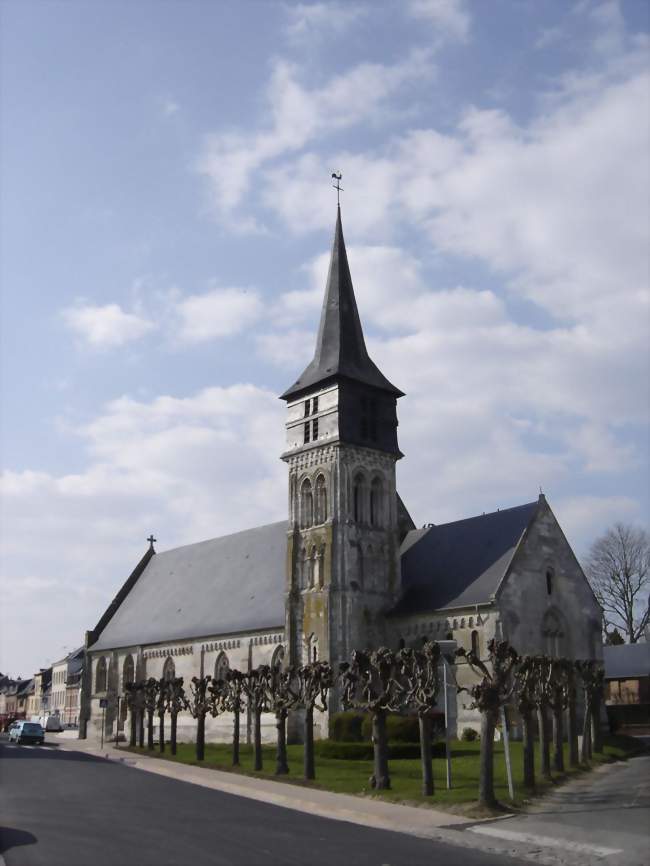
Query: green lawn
x=351, y=777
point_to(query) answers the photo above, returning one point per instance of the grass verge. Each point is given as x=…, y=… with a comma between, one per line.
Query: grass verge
x=351, y=777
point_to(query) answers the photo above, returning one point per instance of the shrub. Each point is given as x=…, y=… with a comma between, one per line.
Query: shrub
x=469, y=735
x=364, y=751
x=400, y=729
x=346, y=727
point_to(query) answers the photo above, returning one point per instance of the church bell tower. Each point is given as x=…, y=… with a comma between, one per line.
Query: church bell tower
x=343, y=545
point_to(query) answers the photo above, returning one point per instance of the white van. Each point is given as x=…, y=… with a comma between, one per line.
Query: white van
x=51, y=723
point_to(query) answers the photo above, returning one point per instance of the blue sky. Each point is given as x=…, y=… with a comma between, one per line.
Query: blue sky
x=166, y=218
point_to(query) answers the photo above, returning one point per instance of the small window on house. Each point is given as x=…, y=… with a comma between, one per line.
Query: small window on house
x=306, y=431
x=314, y=429
x=549, y=581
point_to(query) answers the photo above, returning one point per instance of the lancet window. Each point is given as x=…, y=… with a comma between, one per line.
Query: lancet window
x=306, y=504
x=321, y=500
x=101, y=675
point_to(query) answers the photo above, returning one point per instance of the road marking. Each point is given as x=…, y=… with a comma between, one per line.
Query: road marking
x=546, y=841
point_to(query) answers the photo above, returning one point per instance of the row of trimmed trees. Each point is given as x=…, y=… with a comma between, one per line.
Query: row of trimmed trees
x=380, y=682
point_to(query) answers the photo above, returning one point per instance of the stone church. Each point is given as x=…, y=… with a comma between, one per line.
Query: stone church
x=348, y=569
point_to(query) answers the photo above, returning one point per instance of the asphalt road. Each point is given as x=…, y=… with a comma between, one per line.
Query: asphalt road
x=606, y=812
x=64, y=808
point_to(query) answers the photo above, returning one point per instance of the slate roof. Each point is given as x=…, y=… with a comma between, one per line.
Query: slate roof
x=460, y=563
x=627, y=661
x=229, y=584
x=340, y=346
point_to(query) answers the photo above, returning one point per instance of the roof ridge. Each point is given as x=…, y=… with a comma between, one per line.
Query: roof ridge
x=220, y=537
x=481, y=516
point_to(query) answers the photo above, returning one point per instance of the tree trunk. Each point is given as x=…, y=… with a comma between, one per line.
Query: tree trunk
x=528, y=750
x=426, y=755
x=235, y=739
x=257, y=739
x=133, y=729
x=200, y=738
x=381, y=776
x=281, y=764
x=544, y=742
x=309, y=769
x=161, y=732
x=150, y=729
x=558, y=739
x=596, y=735
x=141, y=728
x=486, y=779
x=574, y=757
x=172, y=737
x=586, y=734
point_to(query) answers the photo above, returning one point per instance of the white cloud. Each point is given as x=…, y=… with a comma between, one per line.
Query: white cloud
x=307, y=20
x=218, y=313
x=185, y=468
x=297, y=115
x=450, y=18
x=106, y=326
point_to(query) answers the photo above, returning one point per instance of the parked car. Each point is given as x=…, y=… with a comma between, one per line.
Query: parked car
x=26, y=732
x=51, y=723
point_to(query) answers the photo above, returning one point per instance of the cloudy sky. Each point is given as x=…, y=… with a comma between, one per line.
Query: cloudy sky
x=166, y=219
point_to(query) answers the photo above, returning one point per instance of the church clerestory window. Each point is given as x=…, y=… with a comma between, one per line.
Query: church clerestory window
x=169, y=669
x=475, y=644
x=221, y=666
x=128, y=671
x=549, y=581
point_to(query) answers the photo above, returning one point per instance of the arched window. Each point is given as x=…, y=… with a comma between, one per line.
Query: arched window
x=553, y=634
x=475, y=644
x=278, y=656
x=462, y=622
x=549, y=581
x=376, y=503
x=100, y=675
x=221, y=666
x=455, y=626
x=358, y=497
x=128, y=671
x=169, y=669
x=306, y=504
x=321, y=499
x=470, y=622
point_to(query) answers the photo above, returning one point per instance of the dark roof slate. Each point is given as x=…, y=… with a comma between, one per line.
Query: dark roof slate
x=340, y=347
x=225, y=585
x=460, y=563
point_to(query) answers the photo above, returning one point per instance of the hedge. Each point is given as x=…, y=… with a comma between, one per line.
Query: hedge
x=364, y=751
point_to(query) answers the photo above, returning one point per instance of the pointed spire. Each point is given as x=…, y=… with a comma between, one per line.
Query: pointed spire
x=340, y=346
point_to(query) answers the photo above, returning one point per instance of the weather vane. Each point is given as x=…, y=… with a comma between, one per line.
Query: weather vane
x=337, y=186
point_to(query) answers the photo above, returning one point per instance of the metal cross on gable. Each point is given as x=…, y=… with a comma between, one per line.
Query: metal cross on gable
x=151, y=540
x=337, y=186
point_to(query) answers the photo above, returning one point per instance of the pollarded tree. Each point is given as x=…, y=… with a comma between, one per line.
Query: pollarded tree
x=283, y=696
x=314, y=682
x=175, y=703
x=199, y=703
x=618, y=568
x=256, y=688
x=489, y=695
x=526, y=698
x=420, y=677
x=370, y=683
x=592, y=678
x=559, y=701
x=132, y=691
x=544, y=697
x=161, y=709
x=151, y=688
x=233, y=702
